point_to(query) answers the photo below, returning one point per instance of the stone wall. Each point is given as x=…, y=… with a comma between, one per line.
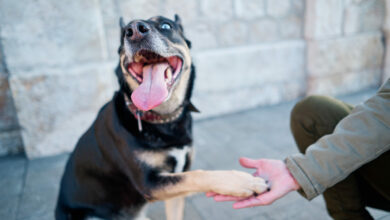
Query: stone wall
x=59, y=69
x=60, y=57
x=345, y=45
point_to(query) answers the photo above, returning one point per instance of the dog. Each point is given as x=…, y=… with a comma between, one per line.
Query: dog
x=139, y=148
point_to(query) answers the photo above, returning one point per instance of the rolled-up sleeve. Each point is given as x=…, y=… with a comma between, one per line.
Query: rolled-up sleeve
x=358, y=139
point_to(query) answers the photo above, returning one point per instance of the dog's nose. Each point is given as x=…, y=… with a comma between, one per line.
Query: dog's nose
x=138, y=30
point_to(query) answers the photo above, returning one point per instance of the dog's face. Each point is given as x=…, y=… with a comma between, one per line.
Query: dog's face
x=155, y=62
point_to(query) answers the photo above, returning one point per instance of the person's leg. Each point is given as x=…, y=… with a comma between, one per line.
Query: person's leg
x=375, y=180
x=312, y=118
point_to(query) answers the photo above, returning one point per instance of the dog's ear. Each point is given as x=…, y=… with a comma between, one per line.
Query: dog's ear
x=177, y=19
x=121, y=23
x=122, y=26
x=179, y=24
x=188, y=42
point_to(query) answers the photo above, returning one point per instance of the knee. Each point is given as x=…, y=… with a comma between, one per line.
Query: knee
x=302, y=121
x=303, y=109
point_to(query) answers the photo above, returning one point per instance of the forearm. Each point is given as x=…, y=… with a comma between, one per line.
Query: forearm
x=359, y=138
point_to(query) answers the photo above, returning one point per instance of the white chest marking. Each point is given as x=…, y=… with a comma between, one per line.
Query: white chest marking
x=180, y=156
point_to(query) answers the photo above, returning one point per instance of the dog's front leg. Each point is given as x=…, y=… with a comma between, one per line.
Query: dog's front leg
x=174, y=208
x=235, y=183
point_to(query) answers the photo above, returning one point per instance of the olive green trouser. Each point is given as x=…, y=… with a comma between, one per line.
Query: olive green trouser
x=367, y=186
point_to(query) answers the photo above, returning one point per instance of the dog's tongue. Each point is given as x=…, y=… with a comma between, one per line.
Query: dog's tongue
x=153, y=89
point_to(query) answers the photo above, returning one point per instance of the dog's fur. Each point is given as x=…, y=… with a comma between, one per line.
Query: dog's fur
x=116, y=168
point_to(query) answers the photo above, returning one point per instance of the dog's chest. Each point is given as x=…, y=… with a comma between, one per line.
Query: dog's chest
x=172, y=160
x=180, y=155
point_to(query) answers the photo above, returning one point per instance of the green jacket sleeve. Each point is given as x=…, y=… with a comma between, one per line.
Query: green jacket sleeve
x=359, y=138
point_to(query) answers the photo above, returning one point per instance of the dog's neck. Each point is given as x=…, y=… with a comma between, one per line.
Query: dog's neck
x=151, y=116
x=155, y=136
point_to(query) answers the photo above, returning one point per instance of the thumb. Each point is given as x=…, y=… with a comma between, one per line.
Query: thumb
x=249, y=163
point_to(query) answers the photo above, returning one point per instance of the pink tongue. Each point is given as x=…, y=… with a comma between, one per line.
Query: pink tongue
x=153, y=89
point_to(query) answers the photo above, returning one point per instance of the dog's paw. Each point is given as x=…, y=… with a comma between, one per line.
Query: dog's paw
x=240, y=184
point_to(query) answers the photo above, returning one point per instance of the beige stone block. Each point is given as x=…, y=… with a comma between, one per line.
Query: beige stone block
x=264, y=30
x=139, y=9
x=249, y=9
x=249, y=66
x=344, y=83
x=386, y=23
x=216, y=11
x=291, y=26
x=323, y=19
x=278, y=8
x=298, y=6
x=51, y=33
x=351, y=19
x=386, y=28
x=110, y=17
x=364, y=16
x=187, y=10
x=373, y=15
x=55, y=109
x=202, y=35
x=233, y=33
x=386, y=66
x=343, y=55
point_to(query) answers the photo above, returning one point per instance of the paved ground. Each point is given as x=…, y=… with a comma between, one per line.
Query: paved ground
x=28, y=189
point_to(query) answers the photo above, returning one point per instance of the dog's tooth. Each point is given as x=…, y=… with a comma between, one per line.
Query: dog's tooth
x=139, y=58
x=168, y=74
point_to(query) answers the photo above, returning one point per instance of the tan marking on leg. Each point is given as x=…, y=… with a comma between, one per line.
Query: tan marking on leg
x=153, y=159
x=174, y=208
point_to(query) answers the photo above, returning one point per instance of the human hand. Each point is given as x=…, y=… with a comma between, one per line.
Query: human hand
x=278, y=176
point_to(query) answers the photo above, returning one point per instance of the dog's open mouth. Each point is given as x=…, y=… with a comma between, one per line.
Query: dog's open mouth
x=156, y=75
x=146, y=58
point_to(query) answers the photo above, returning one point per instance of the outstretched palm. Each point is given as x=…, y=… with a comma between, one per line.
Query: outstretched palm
x=279, y=178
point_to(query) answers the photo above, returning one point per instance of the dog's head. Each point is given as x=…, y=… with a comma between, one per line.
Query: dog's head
x=155, y=63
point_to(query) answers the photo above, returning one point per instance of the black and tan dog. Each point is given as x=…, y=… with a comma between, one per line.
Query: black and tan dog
x=139, y=147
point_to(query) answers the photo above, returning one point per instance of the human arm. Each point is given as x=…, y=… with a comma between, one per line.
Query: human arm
x=358, y=139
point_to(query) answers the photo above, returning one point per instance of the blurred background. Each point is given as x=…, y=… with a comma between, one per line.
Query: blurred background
x=254, y=60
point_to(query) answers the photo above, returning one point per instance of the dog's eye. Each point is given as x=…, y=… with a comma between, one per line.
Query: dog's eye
x=165, y=26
